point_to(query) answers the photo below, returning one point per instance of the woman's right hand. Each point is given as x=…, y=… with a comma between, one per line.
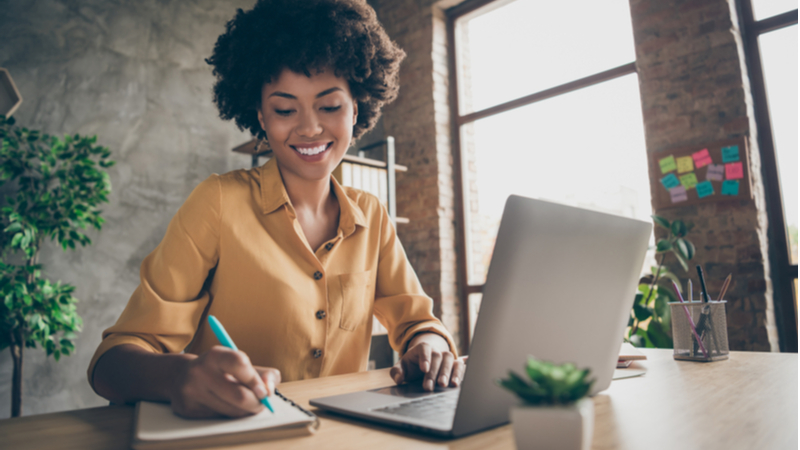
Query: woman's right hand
x=223, y=382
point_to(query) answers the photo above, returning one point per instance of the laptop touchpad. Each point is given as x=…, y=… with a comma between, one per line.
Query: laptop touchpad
x=410, y=390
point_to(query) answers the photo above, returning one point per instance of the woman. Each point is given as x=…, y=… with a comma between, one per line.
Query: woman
x=293, y=264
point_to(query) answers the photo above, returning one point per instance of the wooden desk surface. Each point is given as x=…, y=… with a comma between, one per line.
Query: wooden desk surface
x=746, y=402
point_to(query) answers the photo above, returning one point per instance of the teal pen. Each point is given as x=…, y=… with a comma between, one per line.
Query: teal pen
x=226, y=340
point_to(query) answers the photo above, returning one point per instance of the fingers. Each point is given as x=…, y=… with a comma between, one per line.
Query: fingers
x=223, y=381
x=445, y=369
x=459, y=366
x=429, y=380
x=271, y=378
x=397, y=373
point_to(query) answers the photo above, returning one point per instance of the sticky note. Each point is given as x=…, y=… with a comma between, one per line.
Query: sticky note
x=730, y=154
x=715, y=172
x=670, y=181
x=704, y=189
x=685, y=164
x=730, y=187
x=689, y=180
x=678, y=194
x=667, y=164
x=701, y=158
x=733, y=171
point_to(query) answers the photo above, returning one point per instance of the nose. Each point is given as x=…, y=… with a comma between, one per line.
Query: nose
x=309, y=125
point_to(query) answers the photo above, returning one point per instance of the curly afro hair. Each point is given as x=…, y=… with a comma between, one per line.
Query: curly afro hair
x=304, y=36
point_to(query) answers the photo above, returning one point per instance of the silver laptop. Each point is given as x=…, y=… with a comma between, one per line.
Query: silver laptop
x=560, y=287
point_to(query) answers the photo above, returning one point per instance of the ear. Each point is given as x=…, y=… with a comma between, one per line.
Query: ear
x=355, y=111
x=261, y=120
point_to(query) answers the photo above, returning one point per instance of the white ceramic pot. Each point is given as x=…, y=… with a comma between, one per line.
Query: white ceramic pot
x=554, y=427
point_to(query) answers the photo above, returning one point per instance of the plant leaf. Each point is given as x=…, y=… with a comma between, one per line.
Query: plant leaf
x=678, y=228
x=660, y=221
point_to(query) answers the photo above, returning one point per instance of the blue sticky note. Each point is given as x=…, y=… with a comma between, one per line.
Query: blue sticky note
x=704, y=189
x=670, y=181
x=730, y=187
x=730, y=154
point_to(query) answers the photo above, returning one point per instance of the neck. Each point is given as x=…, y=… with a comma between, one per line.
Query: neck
x=311, y=196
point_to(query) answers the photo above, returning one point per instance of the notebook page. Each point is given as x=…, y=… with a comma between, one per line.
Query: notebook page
x=156, y=422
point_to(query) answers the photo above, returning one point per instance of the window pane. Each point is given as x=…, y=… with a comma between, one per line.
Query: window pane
x=585, y=148
x=528, y=46
x=779, y=60
x=763, y=9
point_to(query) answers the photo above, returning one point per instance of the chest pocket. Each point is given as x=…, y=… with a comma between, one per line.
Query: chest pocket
x=356, y=301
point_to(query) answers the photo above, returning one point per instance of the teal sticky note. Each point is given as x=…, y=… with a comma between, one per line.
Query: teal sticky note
x=730, y=187
x=704, y=189
x=670, y=181
x=730, y=154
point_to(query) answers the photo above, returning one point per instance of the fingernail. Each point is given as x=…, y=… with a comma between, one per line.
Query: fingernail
x=260, y=392
x=271, y=386
x=443, y=380
x=429, y=385
x=455, y=381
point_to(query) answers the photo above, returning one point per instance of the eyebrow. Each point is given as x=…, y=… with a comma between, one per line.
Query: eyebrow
x=290, y=96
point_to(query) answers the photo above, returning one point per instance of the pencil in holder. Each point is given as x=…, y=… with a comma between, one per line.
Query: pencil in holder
x=699, y=331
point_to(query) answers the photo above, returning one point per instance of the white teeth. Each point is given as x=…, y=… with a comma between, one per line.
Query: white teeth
x=312, y=150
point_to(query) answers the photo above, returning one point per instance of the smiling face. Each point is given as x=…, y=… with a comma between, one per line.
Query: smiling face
x=308, y=122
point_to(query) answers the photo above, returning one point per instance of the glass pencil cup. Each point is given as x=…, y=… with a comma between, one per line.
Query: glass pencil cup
x=699, y=331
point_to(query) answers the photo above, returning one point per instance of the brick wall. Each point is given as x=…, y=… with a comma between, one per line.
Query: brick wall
x=420, y=122
x=694, y=90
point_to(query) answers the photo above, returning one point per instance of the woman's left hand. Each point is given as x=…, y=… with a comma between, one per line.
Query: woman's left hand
x=429, y=358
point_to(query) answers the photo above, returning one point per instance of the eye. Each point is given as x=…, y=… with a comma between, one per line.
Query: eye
x=330, y=109
x=283, y=112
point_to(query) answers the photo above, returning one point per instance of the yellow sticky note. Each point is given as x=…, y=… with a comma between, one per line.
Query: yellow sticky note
x=685, y=164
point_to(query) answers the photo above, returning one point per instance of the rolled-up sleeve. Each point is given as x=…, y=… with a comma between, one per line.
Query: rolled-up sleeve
x=400, y=303
x=164, y=312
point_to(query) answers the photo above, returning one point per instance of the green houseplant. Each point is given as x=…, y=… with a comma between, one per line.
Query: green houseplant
x=650, y=323
x=555, y=412
x=56, y=188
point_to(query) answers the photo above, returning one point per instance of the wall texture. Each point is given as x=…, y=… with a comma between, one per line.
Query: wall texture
x=695, y=89
x=132, y=73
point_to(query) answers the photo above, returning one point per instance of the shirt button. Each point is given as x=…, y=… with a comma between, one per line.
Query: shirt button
x=318, y=275
x=329, y=246
x=321, y=314
x=317, y=353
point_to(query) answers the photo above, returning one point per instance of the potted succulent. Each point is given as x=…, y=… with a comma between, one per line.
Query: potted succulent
x=555, y=412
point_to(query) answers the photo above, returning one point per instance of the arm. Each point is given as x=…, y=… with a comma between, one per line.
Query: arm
x=140, y=357
x=427, y=349
x=196, y=386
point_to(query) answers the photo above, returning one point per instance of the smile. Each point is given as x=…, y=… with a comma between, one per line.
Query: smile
x=310, y=151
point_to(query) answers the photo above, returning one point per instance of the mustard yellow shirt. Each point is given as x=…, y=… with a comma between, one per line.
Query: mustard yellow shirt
x=236, y=250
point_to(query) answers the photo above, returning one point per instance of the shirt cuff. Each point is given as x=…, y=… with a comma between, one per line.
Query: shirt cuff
x=426, y=327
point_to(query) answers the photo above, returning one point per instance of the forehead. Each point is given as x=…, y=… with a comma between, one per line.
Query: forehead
x=300, y=85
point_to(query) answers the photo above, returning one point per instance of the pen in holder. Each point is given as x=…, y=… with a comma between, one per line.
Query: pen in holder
x=706, y=321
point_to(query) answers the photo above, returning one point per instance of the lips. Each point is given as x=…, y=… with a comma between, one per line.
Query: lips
x=311, y=150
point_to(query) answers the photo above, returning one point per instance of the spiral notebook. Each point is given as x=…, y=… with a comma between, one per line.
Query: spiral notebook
x=157, y=427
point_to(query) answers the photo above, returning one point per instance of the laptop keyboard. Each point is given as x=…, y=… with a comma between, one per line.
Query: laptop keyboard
x=438, y=408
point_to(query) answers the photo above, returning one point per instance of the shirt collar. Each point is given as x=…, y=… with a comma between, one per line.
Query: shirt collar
x=274, y=195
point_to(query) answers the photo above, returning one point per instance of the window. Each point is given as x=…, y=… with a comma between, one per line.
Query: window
x=563, y=123
x=769, y=28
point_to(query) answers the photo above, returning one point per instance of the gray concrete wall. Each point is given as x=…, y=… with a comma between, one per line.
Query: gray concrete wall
x=132, y=73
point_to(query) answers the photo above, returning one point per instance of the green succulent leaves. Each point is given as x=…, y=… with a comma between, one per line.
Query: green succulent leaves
x=548, y=383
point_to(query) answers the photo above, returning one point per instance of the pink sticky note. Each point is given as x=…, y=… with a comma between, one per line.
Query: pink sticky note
x=734, y=171
x=715, y=172
x=701, y=158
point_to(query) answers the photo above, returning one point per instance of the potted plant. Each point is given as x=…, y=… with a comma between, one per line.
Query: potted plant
x=650, y=321
x=555, y=413
x=56, y=186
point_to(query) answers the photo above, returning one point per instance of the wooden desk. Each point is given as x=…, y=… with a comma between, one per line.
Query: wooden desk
x=747, y=402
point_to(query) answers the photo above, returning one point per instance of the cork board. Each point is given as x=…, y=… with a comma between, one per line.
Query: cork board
x=712, y=172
